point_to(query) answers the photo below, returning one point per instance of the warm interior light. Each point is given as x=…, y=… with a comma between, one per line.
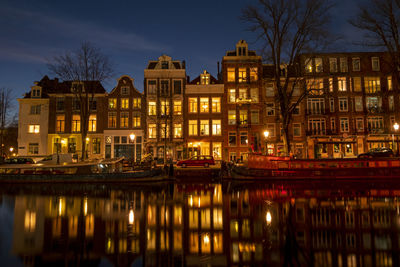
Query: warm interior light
x=131, y=217
x=266, y=134
x=268, y=218
x=132, y=137
x=396, y=126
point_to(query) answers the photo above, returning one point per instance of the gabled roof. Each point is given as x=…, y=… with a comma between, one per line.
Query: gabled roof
x=55, y=87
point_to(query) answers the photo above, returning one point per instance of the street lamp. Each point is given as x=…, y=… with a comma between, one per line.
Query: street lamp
x=268, y=218
x=266, y=134
x=396, y=128
x=132, y=138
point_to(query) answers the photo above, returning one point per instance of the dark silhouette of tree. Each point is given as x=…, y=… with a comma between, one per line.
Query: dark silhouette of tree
x=289, y=28
x=85, y=68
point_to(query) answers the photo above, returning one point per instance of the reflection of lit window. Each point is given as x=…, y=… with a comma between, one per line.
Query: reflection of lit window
x=89, y=225
x=73, y=226
x=151, y=239
x=234, y=228
x=218, y=194
x=205, y=218
x=164, y=240
x=218, y=243
x=194, y=242
x=205, y=243
x=57, y=227
x=177, y=215
x=235, y=252
x=122, y=245
x=164, y=216
x=135, y=246
x=177, y=240
x=30, y=221
x=217, y=218
x=110, y=246
x=246, y=228
x=193, y=218
x=151, y=215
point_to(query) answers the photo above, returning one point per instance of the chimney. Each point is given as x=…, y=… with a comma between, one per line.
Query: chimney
x=217, y=68
x=183, y=64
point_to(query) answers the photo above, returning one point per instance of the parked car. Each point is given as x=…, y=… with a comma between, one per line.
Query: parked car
x=19, y=161
x=205, y=161
x=381, y=152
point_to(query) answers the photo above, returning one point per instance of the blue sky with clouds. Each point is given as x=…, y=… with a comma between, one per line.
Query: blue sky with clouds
x=130, y=32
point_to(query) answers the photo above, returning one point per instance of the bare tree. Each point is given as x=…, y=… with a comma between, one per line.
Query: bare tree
x=287, y=29
x=380, y=21
x=86, y=68
x=5, y=105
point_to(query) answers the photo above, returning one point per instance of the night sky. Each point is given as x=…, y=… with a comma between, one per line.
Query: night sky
x=131, y=33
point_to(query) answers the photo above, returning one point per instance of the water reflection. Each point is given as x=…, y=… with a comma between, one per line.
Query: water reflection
x=209, y=224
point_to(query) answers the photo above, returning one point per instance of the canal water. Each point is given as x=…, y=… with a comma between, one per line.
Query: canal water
x=294, y=223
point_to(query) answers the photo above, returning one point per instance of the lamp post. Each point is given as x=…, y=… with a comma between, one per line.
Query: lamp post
x=396, y=128
x=266, y=134
x=132, y=138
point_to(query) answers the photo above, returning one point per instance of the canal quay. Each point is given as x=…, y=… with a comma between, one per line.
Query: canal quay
x=323, y=223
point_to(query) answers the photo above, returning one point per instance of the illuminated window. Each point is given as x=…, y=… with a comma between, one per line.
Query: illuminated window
x=152, y=108
x=92, y=123
x=216, y=150
x=308, y=65
x=253, y=74
x=60, y=123
x=269, y=89
x=204, y=127
x=231, y=74
x=137, y=103
x=216, y=127
x=342, y=87
x=372, y=84
x=112, y=119
x=112, y=103
x=192, y=127
x=177, y=130
x=389, y=83
x=152, y=87
x=76, y=123
x=177, y=107
x=34, y=128
x=318, y=65
x=164, y=131
x=243, y=117
x=124, y=103
x=232, y=96
x=152, y=130
x=164, y=107
x=242, y=75
x=216, y=105
x=243, y=139
x=136, y=119
x=192, y=105
x=204, y=105
x=242, y=93
x=231, y=117
x=205, y=78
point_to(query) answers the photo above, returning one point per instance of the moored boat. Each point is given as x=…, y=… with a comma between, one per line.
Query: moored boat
x=267, y=167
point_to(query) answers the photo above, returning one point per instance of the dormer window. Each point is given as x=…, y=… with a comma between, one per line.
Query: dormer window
x=78, y=87
x=241, y=48
x=205, y=78
x=164, y=64
x=36, y=93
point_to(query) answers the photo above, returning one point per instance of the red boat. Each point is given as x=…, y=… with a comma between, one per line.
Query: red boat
x=267, y=167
